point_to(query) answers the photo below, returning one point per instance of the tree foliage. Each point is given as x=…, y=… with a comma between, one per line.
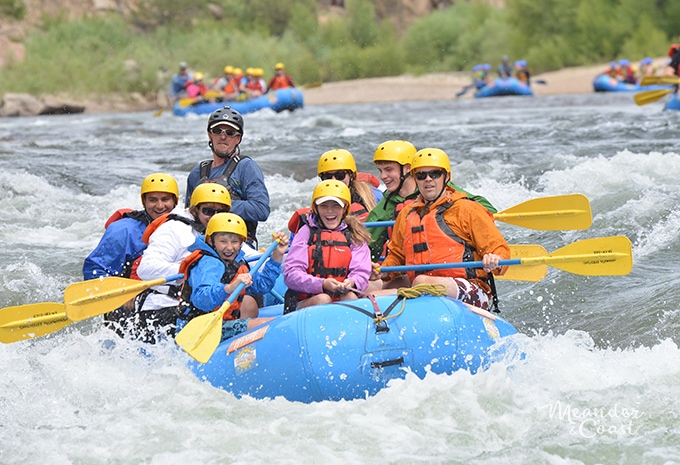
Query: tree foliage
x=12, y=9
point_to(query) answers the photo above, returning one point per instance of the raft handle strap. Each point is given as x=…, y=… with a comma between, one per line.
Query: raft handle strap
x=388, y=363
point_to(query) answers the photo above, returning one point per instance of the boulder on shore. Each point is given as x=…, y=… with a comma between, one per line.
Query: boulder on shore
x=28, y=105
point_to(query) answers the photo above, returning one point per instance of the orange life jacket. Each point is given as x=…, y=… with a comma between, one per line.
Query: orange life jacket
x=231, y=87
x=280, y=82
x=368, y=178
x=430, y=240
x=231, y=270
x=254, y=84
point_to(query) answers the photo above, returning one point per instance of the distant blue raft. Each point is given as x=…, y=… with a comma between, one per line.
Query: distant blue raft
x=279, y=100
x=504, y=86
x=344, y=350
x=604, y=83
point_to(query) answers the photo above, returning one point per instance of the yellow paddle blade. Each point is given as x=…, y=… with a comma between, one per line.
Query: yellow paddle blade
x=659, y=80
x=560, y=212
x=32, y=320
x=605, y=256
x=88, y=299
x=201, y=336
x=531, y=273
x=650, y=96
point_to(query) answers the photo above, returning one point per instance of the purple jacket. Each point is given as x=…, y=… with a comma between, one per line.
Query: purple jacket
x=297, y=262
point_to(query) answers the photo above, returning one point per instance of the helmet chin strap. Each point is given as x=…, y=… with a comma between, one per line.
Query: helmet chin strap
x=402, y=178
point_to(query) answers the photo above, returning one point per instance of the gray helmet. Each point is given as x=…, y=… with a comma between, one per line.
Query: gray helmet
x=226, y=115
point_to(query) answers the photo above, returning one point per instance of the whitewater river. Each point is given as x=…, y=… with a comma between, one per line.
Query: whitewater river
x=600, y=382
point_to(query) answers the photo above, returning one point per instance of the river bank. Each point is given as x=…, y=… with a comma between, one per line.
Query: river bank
x=428, y=87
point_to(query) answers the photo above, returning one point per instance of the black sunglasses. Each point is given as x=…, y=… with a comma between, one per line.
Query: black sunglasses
x=229, y=132
x=434, y=174
x=338, y=175
x=208, y=211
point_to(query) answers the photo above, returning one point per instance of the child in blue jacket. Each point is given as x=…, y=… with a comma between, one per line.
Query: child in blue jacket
x=217, y=266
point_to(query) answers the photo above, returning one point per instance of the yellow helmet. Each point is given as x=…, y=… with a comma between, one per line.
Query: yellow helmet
x=198, y=76
x=210, y=192
x=279, y=66
x=228, y=69
x=259, y=72
x=227, y=223
x=399, y=151
x=331, y=190
x=238, y=71
x=338, y=159
x=249, y=70
x=160, y=182
x=431, y=157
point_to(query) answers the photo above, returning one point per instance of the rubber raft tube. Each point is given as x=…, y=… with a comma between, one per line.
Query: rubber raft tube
x=504, y=86
x=280, y=100
x=344, y=351
x=604, y=83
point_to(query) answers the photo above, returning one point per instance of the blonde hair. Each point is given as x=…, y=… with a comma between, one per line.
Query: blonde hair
x=365, y=191
x=357, y=231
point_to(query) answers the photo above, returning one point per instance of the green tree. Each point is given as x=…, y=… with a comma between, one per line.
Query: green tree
x=362, y=24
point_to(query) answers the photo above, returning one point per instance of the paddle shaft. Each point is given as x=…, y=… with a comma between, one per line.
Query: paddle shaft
x=607, y=256
x=444, y=266
x=464, y=90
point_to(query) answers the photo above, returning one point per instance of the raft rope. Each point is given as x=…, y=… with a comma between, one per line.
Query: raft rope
x=404, y=293
x=380, y=318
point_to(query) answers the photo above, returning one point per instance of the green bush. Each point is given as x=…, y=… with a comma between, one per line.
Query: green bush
x=457, y=38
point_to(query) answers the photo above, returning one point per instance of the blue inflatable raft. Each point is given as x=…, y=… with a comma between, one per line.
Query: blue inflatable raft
x=504, y=86
x=278, y=100
x=673, y=103
x=604, y=83
x=347, y=350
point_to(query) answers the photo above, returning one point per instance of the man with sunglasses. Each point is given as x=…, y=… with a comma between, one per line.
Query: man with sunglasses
x=393, y=160
x=445, y=226
x=241, y=176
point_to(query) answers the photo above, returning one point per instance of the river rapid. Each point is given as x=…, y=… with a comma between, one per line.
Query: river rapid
x=600, y=380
